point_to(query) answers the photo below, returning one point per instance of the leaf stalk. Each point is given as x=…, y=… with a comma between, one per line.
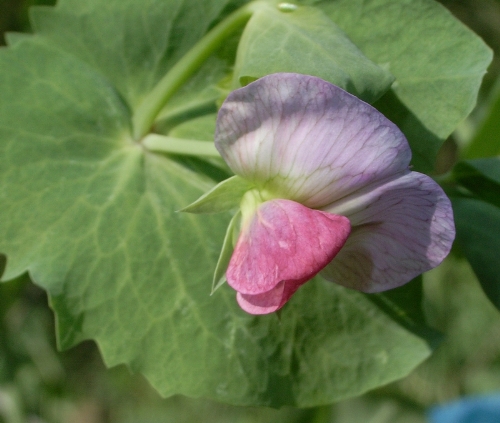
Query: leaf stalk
x=166, y=144
x=151, y=106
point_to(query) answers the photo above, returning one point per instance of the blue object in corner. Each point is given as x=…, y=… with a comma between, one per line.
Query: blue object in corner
x=477, y=409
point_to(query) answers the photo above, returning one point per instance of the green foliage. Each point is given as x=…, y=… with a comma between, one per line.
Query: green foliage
x=478, y=226
x=486, y=140
x=438, y=64
x=481, y=177
x=225, y=196
x=91, y=213
x=404, y=305
x=130, y=43
x=39, y=383
x=478, y=220
x=306, y=41
x=467, y=361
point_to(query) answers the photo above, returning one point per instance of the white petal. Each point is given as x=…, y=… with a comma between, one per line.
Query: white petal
x=306, y=140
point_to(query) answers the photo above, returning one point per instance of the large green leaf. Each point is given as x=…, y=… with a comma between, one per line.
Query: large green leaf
x=467, y=361
x=478, y=230
x=486, y=140
x=404, y=305
x=477, y=220
x=481, y=177
x=304, y=40
x=438, y=64
x=156, y=34
x=92, y=216
x=197, y=97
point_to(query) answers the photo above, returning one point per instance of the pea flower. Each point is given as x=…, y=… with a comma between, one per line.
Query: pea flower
x=324, y=185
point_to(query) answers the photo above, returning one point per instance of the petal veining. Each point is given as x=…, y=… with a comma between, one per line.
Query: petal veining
x=307, y=140
x=399, y=230
x=284, y=241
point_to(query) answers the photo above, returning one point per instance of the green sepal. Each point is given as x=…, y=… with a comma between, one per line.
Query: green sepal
x=223, y=197
x=226, y=252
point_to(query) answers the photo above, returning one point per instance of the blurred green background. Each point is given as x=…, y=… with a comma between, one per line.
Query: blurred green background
x=39, y=384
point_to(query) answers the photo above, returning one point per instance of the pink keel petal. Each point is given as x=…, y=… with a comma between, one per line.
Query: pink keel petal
x=271, y=301
x=400, y=230
x=284, y=242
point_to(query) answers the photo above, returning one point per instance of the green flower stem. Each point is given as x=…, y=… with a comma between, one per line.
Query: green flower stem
x=165, y=144
x=150, y=107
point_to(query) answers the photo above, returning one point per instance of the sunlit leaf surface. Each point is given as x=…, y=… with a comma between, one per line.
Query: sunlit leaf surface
x=438, y=64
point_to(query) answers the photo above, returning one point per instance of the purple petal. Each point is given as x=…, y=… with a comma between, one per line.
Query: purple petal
x=304, y=139
x=399, y=230
x=284, y=241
